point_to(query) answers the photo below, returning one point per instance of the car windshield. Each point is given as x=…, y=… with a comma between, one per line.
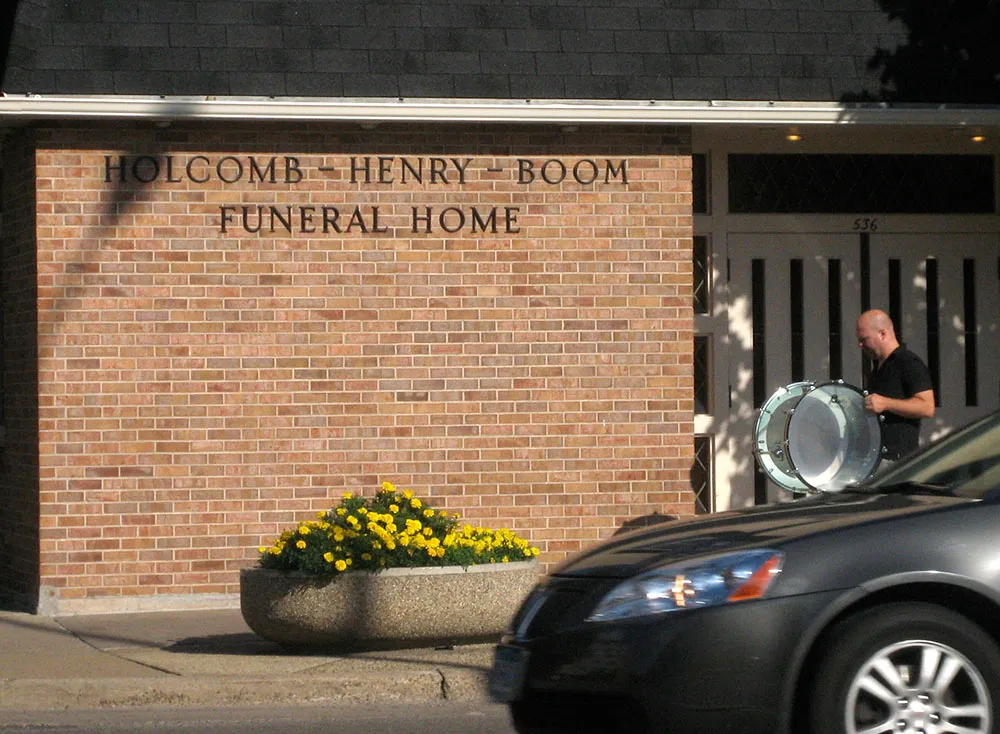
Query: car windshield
x=965, y=463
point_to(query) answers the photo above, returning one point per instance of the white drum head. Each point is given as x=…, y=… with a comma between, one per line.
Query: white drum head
x=832, y=441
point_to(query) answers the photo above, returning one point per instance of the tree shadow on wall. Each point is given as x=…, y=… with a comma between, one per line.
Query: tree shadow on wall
x=644, y=521
x=952, y=55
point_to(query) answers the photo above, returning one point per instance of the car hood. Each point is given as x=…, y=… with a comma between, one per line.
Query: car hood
x=772, y=526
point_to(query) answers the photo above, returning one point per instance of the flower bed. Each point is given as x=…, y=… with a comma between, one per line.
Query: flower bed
x=386, y=571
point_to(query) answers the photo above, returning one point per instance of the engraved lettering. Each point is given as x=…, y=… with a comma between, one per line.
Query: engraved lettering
x=424, y=218
x=108, y=168
x=261, y=175
x=221, y=167
x=366, y=167
x=293, y=173
x=190, y=169
x=145, y=169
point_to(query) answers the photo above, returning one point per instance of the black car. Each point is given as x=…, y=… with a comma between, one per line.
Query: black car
x=874, y=609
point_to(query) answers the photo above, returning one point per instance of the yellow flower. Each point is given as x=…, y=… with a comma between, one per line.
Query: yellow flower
x=360, y=519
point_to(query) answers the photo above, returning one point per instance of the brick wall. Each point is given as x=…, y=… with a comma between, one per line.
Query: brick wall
x=19, y=519
x=209, y=374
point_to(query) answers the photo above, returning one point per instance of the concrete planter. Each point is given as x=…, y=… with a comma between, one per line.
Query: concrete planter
x=399, y=607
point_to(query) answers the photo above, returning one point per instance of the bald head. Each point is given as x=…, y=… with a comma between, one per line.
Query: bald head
x=876, y=334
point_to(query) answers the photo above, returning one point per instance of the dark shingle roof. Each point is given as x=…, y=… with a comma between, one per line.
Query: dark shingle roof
x=781, y=50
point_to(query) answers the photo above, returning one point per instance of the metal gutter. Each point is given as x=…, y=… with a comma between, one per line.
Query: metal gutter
x=28, y=108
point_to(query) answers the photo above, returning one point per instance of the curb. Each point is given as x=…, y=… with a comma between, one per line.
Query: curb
x=79, y=693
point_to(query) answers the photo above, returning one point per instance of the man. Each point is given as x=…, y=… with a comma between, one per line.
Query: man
x=899, y=388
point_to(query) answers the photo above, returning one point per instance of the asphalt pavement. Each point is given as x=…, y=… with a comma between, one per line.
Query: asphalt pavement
x=210, y=658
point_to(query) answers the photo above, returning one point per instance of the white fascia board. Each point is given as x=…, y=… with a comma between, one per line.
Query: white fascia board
x=30, y=107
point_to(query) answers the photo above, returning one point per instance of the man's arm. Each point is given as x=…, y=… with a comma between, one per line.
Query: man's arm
x=920, y=405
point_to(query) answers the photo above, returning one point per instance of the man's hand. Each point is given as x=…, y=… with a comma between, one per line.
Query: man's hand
x=876, y=403
x=920, y=405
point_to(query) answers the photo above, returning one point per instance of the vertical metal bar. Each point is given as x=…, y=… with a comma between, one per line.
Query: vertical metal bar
x=896, y=296
x=970, y=329
x=797, y=313
x=866, y=271
x=835, y=320
x=933, y=328
x=759, y=333
x=757, y=291
x=865, y=242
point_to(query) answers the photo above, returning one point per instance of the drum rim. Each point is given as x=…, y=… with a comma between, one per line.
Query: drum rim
x=794, y=482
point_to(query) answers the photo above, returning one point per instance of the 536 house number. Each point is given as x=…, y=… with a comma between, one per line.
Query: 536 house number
x=866, y=224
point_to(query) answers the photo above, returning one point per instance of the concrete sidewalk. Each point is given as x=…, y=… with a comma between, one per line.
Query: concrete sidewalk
x=209, y=658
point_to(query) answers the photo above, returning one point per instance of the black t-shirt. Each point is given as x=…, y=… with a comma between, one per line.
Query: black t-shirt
x=902, y=375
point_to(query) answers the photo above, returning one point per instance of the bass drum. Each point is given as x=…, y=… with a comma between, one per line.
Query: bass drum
x=818, y=437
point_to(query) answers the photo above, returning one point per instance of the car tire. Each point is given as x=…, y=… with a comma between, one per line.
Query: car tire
x=906, y=667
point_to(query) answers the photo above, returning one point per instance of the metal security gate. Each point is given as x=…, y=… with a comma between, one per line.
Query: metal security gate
x=943, y=293
x=793, y=303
